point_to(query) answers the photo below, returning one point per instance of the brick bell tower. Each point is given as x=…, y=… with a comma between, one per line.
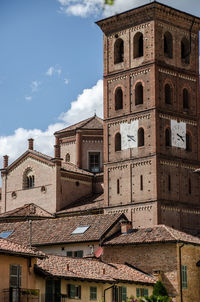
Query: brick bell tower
x=151, y=116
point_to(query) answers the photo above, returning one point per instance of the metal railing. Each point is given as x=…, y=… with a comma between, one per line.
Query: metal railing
x=19, y=295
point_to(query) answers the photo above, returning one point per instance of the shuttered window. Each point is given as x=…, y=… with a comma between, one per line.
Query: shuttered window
x=142, y=292
x=15, y=276
x=74, y=291
x=184, y=276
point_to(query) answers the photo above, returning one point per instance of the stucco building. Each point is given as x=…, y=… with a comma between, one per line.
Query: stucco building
x=55, y=182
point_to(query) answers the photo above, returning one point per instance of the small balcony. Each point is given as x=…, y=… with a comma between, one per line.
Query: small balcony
x=19, y=295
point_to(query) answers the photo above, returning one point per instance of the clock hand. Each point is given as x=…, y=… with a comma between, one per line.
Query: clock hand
x=131, y=137
x=181, y=137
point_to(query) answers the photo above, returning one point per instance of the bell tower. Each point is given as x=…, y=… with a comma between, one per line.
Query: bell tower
x=151, y=116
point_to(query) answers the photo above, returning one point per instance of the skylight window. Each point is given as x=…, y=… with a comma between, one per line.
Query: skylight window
x=80, y=229
x=5, y=234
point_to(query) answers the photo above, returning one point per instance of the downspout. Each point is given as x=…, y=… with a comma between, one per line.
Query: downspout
x=30, y=228
x=104, y=292
x=180, y=272
x=5, y=192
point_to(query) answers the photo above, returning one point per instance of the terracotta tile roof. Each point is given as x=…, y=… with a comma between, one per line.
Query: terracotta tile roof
x=59, y=230
x=73, y=168
x=93, y=122
x=84, y=204
x=28, y=210
x=9, y=247
x=156, y=234
x=91, y=269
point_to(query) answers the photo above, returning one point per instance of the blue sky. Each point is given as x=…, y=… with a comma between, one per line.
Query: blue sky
x=51, y=66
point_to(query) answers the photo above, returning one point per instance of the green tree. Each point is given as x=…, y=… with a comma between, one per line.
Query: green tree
x=109, y=2
x=159, y=289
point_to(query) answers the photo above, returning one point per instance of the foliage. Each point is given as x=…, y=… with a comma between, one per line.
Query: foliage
x=159, y=289
x=32, y=292
x=109, y=2
x=155, y=299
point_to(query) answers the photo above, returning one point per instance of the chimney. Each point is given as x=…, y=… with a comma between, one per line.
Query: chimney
x=57, y=151
x=5, y=161
x=30, y=143
x=67, y=266
x=57, y=148
x=125, y=226
x=104, y=271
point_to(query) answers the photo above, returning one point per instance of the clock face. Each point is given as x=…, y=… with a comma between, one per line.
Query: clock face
x=178, y=131
x=129, y=135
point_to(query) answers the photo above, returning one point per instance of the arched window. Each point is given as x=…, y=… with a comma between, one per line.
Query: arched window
x=138, y=45
x=118, y=187
x=167, y=137
x=119, y=51
x=168, y=45
x=185, y=99
x=28, y=179
x=189, y=186
x=141, y=182
x=118, y=142
x=168, y=94
x=185, y=51
x=188, y=142
x=140, y=137
x=118, y=99
x=67, y=158
x=169, y=183
x=138, y=94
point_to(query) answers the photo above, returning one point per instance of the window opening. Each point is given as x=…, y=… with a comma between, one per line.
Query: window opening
x=139, y=94
x=81, y=229
x=184, y=276
x=138, y=45
x=140, y=137
x=141, y=182
x=185, y=99
x=169, y=183
x=142, y=292
x=118, y=142
x=118, y=99
x=167, y=137
x=185, y=51
x=5, y=234
x=190, y=187
x=188, y=142
x=168, y=45
x=94, y=162
x=93, y=293
x=74, y=291
x=118, y=51
x=118, y=188
x=67, y=158
x=168, y=94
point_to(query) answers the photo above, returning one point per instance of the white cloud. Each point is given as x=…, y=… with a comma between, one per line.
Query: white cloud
x=85, y=8
x=14, y=145
x=35, y=85
x=87, y=103
x=53, y=70
x=28, y=98
x=66, y=81
x=84, y=106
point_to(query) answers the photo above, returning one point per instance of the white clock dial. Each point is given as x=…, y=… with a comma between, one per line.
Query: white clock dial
x=178, y=130
x=129, y=135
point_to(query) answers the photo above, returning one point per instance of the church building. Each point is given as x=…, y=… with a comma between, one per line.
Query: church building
x=151, y=116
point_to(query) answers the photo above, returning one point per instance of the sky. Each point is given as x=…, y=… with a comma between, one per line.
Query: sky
x=51, y=66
